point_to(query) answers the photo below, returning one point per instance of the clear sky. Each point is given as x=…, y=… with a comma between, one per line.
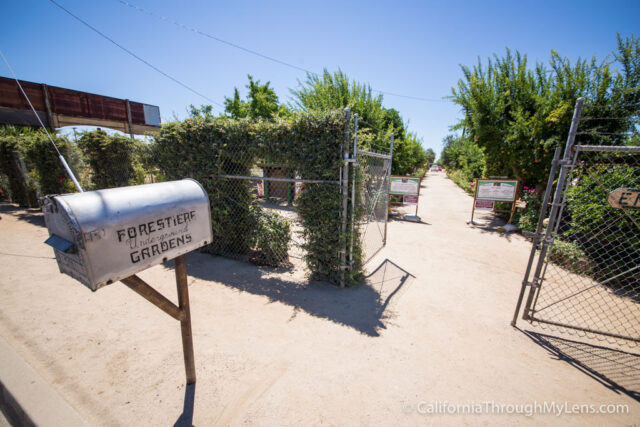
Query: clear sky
x=412, y=48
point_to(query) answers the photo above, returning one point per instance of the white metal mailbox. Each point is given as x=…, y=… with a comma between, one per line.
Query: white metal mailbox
x=100, y=237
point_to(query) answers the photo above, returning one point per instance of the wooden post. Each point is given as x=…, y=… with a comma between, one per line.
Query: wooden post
x=47, y=104
x=290, y=188
x=473, y=208
x=182, y=312
x=265, y=172
x=185, y=323
x=129, y=118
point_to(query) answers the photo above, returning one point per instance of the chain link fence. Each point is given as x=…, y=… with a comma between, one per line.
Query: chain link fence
x=373, y=173
x=297, y=194
x=584, y=268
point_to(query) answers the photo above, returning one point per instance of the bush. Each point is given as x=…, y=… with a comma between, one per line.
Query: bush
x=462, y=180
x=48, y=171
x=21, y=189
x=608, y=236
x=111, y=158
x=273, y=238
x=527, y=218
x=205, y=148
x=570, y=256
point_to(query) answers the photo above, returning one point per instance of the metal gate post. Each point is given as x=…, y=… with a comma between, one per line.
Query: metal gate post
x=353, y=185
x=556, y=210
x=345, y=196
x=386, y=212
x=538, y=234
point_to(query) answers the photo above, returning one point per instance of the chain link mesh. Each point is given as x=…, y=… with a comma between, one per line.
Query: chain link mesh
x=373, y=183
x=591, y=281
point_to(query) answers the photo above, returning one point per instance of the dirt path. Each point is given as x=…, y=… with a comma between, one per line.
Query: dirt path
x=430, y=326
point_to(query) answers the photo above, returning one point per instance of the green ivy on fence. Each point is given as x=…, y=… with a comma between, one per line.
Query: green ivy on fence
x=310, y=144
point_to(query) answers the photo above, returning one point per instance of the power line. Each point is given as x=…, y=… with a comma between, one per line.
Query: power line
x=253, y=52
x=202, y=33
x=60, y=156
x=134, y=55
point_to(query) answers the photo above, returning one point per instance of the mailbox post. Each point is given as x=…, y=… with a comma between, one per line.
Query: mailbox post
x=100, y=237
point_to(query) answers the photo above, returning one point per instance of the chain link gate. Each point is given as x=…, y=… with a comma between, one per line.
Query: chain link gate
x=585, y=266
x=372, y=174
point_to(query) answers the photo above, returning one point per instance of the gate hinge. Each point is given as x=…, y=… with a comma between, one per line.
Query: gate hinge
x=345, y=268
x=535, y=284
x=563, y=162
x=352, y=160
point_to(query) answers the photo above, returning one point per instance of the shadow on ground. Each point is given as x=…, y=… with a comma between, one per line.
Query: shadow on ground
x=32, y=216
x=186, y=418
x=364, y=307
x=488, y=223
x=617, y=370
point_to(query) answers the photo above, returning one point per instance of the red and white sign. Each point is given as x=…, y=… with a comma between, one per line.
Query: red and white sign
x=485, y=205
x=410, y=200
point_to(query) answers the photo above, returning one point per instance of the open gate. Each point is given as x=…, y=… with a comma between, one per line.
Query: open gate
x=370, y=190
x=583, y=275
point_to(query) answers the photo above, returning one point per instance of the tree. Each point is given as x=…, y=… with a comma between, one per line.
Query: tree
x=430, y=156
x=518, y=115
x=261, y=103
x=336, y=91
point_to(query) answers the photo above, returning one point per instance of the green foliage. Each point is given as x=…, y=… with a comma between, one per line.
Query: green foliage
x=462, y=180
x=310, y=144
x=519, y=115
x=261, y=103
x=430, y=156
x=43, y=173
x=330, y=92
x=111, y=159
x=608, y=236
x=570, y=256
x=408, y=155
x=462, y=154
x=273, y=238
x=11, y=151
x=48, y=171
x=527, y=218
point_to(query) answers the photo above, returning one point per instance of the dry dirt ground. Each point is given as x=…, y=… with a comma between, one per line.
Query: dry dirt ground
x=429, y=329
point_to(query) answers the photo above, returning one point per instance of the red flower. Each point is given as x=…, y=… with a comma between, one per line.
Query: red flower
x=61, y=180
x=525, y=187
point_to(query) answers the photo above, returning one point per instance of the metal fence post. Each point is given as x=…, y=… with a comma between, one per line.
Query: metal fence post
x=538, y=235
x=353, y=185
x=386, y=221
x=345, y=196
x=556, y=205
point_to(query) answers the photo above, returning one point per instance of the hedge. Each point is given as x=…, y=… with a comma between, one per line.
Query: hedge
x=310, y=144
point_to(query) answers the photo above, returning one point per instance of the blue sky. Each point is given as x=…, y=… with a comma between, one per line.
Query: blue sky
x=413, y=48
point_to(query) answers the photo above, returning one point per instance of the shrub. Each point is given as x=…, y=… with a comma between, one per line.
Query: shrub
x=21, y=189
x=608, y=236
x=462, y=180
x=206, y=148
x=527, y=218
x=273, y=238
x=47, y=171
x=570, y=256
x=111, y=158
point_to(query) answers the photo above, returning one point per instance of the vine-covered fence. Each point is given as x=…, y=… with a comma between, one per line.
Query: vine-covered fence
x=278, y=190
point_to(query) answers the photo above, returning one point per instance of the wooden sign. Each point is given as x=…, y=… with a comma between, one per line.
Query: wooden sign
x=625, y=198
